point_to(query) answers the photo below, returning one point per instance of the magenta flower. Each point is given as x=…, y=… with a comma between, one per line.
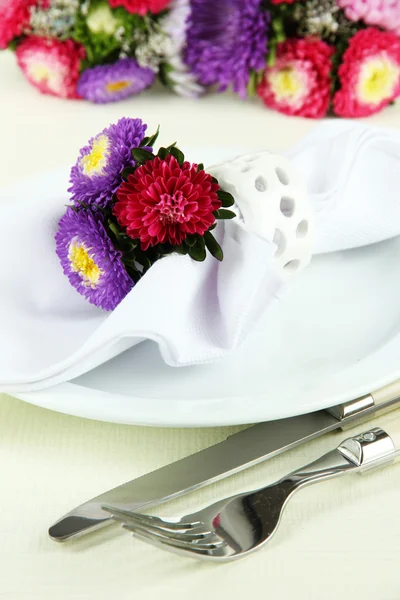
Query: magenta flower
x=299, y=82
x=14, y=17
x=163, y=202
x=369, y=74
x=51, y=65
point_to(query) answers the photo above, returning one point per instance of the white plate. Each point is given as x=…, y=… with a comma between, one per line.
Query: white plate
x=337, y=336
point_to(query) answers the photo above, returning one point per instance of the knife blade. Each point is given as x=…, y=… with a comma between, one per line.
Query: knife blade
x=239, y=451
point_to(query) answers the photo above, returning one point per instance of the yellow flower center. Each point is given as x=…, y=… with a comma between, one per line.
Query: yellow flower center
x=286, y=84
x=94, y=162
x=117, y=86
x=39, y=72
x=378, y=79
x=83, y=264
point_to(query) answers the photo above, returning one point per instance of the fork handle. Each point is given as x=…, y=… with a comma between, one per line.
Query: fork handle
x=356, y=454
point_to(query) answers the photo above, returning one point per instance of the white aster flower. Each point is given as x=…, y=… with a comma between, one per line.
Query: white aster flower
x=181, y=80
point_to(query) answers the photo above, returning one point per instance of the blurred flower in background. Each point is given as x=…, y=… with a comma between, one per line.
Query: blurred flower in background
x=307, y=58
x=141, y=7
x=226, y=41
x=51, y=65
x=109, y=83
x=15, y=15
x=53, y=18
x=176, y=73
x=383, y=13
x=369, y=74
x=299, y=81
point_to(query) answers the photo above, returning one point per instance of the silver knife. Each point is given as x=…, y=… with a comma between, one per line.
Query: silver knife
x=239, y=451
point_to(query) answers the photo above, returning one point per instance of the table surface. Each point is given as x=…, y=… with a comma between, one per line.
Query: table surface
x=340, y=539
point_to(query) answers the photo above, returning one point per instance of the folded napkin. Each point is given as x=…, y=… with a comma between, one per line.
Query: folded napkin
x=196, y=312
x=352, y=172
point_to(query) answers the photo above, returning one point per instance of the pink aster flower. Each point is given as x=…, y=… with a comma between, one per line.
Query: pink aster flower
x=163, y=202
x=51, y=65
x=383, y=13
x=14, y=17
x=299, y=82
x=141, y=7
x=369, y=74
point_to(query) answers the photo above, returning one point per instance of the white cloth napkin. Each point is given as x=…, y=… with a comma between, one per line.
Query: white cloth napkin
x=196, y=312
x=352, y=173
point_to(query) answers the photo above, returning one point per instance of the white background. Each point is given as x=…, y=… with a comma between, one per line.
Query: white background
x=340, y=539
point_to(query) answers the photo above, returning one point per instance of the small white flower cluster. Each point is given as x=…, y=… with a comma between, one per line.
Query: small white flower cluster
x=322, y=18
x=151, y=48
x=57, y=20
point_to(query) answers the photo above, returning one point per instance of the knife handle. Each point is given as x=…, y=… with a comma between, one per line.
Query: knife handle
x=387, y=394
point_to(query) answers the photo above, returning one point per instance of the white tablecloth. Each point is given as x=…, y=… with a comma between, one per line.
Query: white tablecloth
x=339, y=540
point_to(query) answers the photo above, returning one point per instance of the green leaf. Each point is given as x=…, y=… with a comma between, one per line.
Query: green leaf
x=165, y=70
x=114, y=228
x=214, y=180
x=212, y=245
x=13, y=44
x=83, y=204
x=191, y=240
x=162, y=153
x=130, y=256
x=150, y=141
x=272, y=56
x=141, y=156
x=181, y=249
x=133, y=273
x=126, y=244
x=128, y=171
x=200, y=167
x=224, y=214
x=178, y=154
x=198, y=251
x=226, y=198
x=252, y=85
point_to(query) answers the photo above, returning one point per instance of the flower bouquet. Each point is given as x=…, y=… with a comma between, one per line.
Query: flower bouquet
x=132, y=207
x=301, y=57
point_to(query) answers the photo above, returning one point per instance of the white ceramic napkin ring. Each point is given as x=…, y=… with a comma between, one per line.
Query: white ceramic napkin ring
x=272, y=201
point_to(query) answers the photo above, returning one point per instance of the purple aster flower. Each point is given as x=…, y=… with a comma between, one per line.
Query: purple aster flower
x=109, y=83
x=97, y=173
x=226, y=40
x=89, y=259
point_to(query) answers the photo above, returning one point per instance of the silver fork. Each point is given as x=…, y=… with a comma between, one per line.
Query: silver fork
x=236, y=526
